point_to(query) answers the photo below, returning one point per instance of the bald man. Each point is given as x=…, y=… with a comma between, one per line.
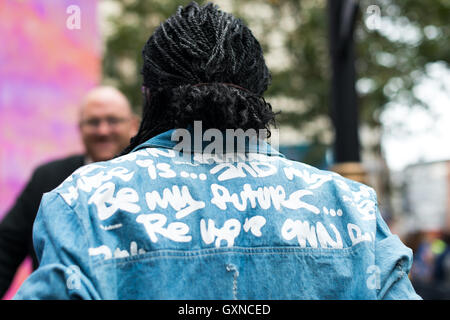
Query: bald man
x=106, y=124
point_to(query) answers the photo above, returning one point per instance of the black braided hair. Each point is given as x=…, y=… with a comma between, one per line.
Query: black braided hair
x=203, y=64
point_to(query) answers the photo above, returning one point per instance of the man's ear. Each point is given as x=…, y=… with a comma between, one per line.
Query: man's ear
x=135, y=122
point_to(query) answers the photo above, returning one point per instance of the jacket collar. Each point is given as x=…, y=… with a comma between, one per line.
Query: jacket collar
x=164, y=140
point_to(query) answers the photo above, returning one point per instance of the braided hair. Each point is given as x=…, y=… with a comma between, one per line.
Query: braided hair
x=203, y=64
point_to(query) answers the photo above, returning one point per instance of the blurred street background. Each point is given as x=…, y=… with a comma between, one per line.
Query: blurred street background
x=400, y=51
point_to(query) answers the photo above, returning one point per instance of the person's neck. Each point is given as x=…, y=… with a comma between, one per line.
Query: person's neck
x=88, y=160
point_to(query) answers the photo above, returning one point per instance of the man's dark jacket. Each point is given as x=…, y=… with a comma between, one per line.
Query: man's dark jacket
x=16, y=227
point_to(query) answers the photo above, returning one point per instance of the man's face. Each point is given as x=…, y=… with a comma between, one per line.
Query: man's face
x=107, y=125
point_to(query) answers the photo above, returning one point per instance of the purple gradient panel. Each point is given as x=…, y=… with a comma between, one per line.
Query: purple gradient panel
x=45, y=69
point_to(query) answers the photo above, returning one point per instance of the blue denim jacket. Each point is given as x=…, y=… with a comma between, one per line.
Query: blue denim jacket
x=153, y=225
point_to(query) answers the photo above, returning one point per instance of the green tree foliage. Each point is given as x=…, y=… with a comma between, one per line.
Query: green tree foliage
x=393, y=50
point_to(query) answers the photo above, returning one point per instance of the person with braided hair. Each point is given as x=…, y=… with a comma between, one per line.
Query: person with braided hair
x=201, y=222
x=198, y=64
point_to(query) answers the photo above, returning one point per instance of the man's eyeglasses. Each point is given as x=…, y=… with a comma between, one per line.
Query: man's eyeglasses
x=111, y=121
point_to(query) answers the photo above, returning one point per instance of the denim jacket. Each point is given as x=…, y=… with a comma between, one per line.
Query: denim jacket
x=153, y=225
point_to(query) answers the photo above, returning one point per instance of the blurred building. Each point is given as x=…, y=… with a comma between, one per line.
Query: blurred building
x=422, y=195
x=426, y=197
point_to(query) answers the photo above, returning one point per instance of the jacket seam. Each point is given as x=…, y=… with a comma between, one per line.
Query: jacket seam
x=84, y=236
x=255, y=251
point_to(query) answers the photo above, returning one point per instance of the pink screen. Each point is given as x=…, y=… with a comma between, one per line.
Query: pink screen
x=49, y=57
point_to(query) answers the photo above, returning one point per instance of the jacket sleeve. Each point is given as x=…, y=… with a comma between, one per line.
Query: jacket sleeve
x=393, y=263
x=62, y=250
x=15, y=232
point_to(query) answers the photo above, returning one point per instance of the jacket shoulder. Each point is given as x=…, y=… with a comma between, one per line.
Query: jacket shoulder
x=83, y=182
x=64, y=166
x=356, y=198
x=295, y=168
